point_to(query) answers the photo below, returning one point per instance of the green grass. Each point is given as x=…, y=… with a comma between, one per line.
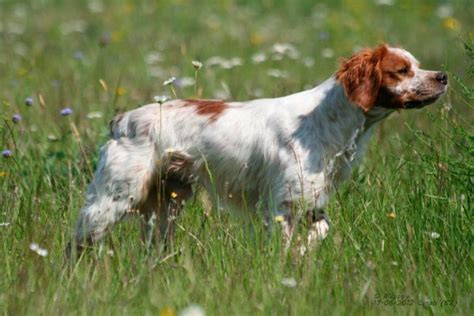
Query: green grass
x=380, y=257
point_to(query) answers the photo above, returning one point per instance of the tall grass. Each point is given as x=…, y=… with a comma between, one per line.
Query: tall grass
x=401, y=239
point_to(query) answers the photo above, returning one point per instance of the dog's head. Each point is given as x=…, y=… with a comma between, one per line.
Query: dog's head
x=390, y=78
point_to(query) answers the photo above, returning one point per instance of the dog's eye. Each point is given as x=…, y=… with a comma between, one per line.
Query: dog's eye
x=403, y=71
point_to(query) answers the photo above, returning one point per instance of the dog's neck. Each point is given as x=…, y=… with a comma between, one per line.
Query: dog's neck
x=335, y=128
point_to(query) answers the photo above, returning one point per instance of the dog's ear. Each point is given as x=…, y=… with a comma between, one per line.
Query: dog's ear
x=361, y=76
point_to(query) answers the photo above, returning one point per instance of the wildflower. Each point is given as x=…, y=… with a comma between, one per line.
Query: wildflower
x=276, y=73
x=78, y=55
x=451, y=23
x=167, y=311
x=289, y=282
x=197, y=64
x=170, y=81
x=40, y=251
x=66, y=111
x=434, y=235
x=105, y=39
x=308, y=62
x=29, y=101
x=95, y=6
x=327, y=53
x=279, y=218
x=392, y=215
x=153, y=58
x=323, y=35
x=7, y=153
x=192, y=310
x=120, y=91
x=174, y=195
x=16, y=118
x=259, y=58
x=185, y=82
x=444, y=11
x=52, y=138
x=384, y=2
x=280, y=49
x=94, y=115
x=224, y=63
x=161, y=98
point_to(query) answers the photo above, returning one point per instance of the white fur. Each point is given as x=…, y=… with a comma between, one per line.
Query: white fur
x=279, y=157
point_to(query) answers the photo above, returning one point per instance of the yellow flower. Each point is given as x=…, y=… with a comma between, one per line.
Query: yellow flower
x=167, y=311
x=451, y=23
x=22, y=72
x=279, y=218
x=174, y=195
x=120, y=91
x=392, y=215
x=256, y=39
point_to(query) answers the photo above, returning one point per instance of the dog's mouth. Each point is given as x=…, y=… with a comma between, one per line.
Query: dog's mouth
x=420, y=103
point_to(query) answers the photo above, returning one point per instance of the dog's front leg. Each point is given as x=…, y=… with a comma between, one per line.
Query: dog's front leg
x=319, y=225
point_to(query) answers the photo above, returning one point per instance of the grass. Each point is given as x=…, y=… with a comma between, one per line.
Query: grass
x=402, y=227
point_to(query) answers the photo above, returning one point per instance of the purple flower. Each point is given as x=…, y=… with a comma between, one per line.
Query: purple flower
x=29, y=101
x=66, y=111
x=16, y=118
x=7, y=153
x=78, y=55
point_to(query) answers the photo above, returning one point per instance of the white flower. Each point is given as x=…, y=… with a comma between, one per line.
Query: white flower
x=308, y=62
x=327, y=53
x=444, y=11
x=289, y=282
x=161, y=98
x=52, y=137
x=434, y=235
x=286, y=49
x=153, y=58
x=276, y=73
x=184, y=82
x=192, y=310
x=170, y=81
x=94, y=115
x=40, y=251
x=224, y=63
x=197, y=64
x=4, y=224
x=384, y=2
x=259, y=58
x=95, y=6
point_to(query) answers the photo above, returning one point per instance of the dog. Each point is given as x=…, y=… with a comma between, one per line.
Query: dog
x=279, y=157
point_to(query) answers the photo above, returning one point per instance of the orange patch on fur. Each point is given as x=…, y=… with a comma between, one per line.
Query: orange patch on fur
x=211, y=108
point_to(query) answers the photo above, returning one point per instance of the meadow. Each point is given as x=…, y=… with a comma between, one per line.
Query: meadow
x=402, y=227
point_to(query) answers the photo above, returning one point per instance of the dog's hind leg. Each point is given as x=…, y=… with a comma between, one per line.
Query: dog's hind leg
x=124, y=176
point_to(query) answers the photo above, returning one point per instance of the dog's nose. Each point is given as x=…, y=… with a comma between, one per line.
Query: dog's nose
x=442, y=77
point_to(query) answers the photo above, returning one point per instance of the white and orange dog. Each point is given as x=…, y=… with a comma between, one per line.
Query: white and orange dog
x=281, y=157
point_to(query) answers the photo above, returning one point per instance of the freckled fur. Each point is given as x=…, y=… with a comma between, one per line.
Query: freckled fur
x=274, y=156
